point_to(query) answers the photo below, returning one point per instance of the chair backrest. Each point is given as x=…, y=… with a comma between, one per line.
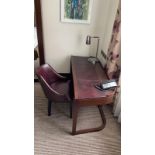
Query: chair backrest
x=48, y=73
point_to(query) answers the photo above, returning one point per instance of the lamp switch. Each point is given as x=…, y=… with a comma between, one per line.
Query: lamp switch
x=103, y=54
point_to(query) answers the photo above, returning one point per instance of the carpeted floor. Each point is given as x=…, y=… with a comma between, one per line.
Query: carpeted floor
x=52, y=134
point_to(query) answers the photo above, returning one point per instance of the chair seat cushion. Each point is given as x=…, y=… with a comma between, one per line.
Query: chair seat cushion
x=62, y=87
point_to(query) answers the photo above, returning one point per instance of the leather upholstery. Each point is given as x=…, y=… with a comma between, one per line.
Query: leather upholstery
x=55, y=86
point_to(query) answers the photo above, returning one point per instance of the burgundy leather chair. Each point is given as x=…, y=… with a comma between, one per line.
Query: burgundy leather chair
x=57, y=88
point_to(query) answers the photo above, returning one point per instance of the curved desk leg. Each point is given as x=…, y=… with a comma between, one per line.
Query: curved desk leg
x=75, y=114
x=102, y=116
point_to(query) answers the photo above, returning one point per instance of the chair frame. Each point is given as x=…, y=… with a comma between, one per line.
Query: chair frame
x=49, y=90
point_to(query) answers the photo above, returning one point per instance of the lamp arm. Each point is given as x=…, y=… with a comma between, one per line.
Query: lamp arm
x=95, y=37
x=97, y=46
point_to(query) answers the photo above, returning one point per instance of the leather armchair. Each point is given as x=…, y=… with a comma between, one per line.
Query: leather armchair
x=57, y=88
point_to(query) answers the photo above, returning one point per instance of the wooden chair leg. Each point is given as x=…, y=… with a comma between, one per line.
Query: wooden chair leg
x=49, y=107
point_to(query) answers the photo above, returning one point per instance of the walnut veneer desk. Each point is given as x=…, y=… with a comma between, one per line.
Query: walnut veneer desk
x=85, y=76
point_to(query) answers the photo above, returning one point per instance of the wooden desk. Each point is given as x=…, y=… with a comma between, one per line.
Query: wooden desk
x=85, y=76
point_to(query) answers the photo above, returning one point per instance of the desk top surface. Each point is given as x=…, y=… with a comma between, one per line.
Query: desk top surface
x=85, y=76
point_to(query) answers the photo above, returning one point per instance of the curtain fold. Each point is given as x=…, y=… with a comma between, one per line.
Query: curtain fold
x=117, y=102
x=113, y=64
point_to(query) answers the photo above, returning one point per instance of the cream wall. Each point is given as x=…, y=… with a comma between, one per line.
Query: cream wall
x=61, y=40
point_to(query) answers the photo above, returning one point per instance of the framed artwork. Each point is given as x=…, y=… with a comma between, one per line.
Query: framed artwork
x=76, y=11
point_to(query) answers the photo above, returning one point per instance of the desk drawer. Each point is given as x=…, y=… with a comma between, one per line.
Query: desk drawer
x=95, y=101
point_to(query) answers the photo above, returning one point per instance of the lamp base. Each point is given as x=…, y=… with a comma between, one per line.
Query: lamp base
x=93, y=60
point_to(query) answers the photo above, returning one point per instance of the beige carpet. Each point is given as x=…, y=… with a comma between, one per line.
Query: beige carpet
x=52, y=134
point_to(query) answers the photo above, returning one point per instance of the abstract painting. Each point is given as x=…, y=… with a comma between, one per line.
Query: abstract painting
x=76, y=11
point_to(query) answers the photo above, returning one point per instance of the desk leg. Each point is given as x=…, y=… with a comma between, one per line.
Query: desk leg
x=75, y=115
x=102, y=116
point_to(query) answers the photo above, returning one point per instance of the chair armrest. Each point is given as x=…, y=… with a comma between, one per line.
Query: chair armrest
x=51, y=93
x=62, y=77
x=58, y=75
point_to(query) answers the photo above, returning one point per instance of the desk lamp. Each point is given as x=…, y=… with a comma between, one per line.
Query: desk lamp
x=93, y=60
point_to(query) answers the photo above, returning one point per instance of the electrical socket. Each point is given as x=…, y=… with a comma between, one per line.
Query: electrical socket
x=103, y=54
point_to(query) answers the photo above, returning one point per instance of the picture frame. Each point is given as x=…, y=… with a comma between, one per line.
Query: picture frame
x=76, y=11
